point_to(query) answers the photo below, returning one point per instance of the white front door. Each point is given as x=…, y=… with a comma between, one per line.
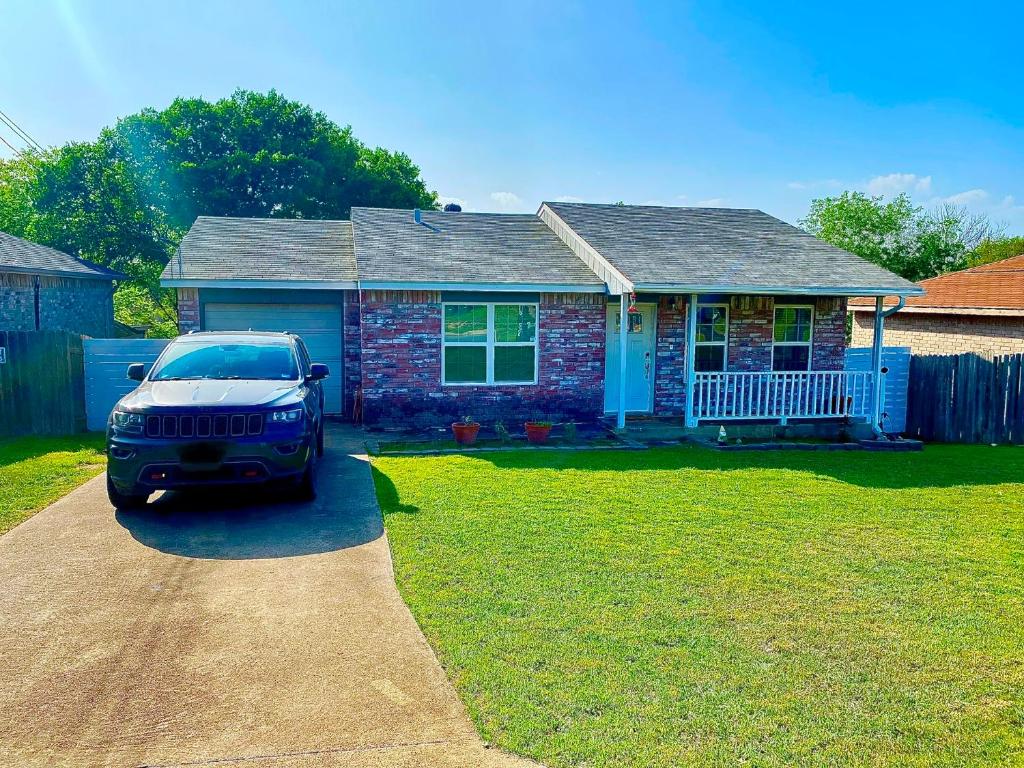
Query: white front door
x=639, y=360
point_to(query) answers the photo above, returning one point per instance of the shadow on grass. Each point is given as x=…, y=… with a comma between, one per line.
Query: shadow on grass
x=388, y=498
x=937, y=466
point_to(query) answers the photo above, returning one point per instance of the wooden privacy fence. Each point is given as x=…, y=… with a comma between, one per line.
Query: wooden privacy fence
x=41, y=383
x=966, y=399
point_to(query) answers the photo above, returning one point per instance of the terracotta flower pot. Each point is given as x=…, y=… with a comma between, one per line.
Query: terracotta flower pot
x=465, y=434
x=537, y=432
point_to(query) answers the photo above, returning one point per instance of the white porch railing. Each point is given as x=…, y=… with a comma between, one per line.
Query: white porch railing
x=781, y=395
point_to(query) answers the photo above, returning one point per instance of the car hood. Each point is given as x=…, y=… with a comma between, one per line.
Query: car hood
x=211, y=392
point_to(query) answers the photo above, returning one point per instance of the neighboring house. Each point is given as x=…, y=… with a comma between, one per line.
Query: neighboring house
x=578, y=312
x=975, y=310
x=42, y=289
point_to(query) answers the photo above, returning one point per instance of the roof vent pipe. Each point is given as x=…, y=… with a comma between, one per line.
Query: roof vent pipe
x=417, y=216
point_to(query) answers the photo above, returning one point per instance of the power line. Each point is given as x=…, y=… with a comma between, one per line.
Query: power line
x=16, y=152
x=20, y=132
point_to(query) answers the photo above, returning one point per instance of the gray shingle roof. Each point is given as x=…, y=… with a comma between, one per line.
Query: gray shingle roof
x=222, y=248
x=469, y=248
x=18, y=255
x=721, y=249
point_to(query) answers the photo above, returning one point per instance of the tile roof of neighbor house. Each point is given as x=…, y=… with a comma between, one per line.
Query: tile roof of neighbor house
x=224, y=248
x=18, y=255
x=721, y=249
x=996, y=286
x=459, y=247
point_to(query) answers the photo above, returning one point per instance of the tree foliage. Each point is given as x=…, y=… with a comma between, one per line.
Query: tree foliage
x=997, y=249
x=126, y=199
x=898, y=235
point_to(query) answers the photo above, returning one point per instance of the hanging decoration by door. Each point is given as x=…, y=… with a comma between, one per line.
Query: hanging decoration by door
x=632, y=305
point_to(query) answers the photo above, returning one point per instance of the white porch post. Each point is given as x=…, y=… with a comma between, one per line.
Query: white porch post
x=691, y=354
x=620, y=418
x=876, y=366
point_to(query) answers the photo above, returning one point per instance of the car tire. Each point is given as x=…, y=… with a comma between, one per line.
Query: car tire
x=306, y=485
x=125, y=501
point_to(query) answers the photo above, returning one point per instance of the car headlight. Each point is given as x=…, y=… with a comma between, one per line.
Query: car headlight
x=288, y=416
x=126, y=421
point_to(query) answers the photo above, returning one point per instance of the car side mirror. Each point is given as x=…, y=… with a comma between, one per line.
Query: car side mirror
x=137, y=371
x=318, y=371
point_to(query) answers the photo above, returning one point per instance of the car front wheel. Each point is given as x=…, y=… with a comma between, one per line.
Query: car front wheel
x=306, y=485
x=125, y=500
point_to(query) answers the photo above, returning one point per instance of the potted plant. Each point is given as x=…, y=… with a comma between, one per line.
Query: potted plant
x=537, y=431
x=465, y=431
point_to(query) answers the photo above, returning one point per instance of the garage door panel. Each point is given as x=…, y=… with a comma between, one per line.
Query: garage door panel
x=319, y=325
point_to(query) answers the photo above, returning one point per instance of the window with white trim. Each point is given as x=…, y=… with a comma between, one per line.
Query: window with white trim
x=489, y=344
x=710, y=353
x=792, y=336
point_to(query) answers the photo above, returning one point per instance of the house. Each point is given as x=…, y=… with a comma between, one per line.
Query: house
x=577, y=312
x=980, y=310
x=43, y=289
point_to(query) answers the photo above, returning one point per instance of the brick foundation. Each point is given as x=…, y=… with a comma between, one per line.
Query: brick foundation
x=401, y=364
x=942, y=334
x=352, y=349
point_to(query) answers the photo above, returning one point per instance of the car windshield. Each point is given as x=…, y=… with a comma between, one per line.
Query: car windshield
x=192, y=360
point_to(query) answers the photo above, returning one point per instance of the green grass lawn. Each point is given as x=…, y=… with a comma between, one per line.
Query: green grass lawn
x=687, y=607
x=36, y=471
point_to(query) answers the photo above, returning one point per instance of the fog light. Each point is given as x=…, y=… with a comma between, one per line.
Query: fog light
x=157, y=475
x=250, y=473
x=287, y=449
x=122, y=453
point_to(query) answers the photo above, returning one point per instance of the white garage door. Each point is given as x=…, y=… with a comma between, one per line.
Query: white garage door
x=319, y=325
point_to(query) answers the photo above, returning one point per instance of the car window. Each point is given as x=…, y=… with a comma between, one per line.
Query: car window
x=191, y=360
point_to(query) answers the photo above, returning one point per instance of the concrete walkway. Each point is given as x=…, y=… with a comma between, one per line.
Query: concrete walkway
x=220, y=629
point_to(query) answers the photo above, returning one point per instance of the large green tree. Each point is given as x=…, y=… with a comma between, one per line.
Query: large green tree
x=127, y=199
x=898, y=235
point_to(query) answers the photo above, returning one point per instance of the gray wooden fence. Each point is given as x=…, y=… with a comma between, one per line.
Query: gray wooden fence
x=966, y=398
x=106, y=372
x=41, y=387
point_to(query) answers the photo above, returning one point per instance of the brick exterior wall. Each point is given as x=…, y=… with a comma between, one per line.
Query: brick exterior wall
x=942, y=334
x=65, y=304
x=828, y=352
x=670, y=357
x=751, y=324
x=352, y=349
x=400, y=339
x=188, y=310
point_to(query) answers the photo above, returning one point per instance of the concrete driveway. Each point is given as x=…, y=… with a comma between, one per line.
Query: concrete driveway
x=220, y=629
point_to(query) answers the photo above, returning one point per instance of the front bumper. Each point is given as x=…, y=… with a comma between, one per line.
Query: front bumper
x=137, y=463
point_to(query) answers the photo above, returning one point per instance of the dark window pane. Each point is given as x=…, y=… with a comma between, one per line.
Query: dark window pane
x=636, y=322
x=514, y=322
x=465, y=365
x=709, y=358
x=711, y=323
x=465, y=322
x=514, y=364
x=794, y=358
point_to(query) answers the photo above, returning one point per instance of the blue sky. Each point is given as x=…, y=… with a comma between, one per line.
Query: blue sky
x=504, y=105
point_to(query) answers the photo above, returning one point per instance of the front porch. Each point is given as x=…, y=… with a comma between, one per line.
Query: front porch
x=714, y=358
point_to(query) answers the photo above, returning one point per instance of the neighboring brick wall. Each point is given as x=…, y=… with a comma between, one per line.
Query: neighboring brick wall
x=65, y=304
x=670, y=357
x=942, y=334
x=401, y=364
x=188, y=310
x=352, y=351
